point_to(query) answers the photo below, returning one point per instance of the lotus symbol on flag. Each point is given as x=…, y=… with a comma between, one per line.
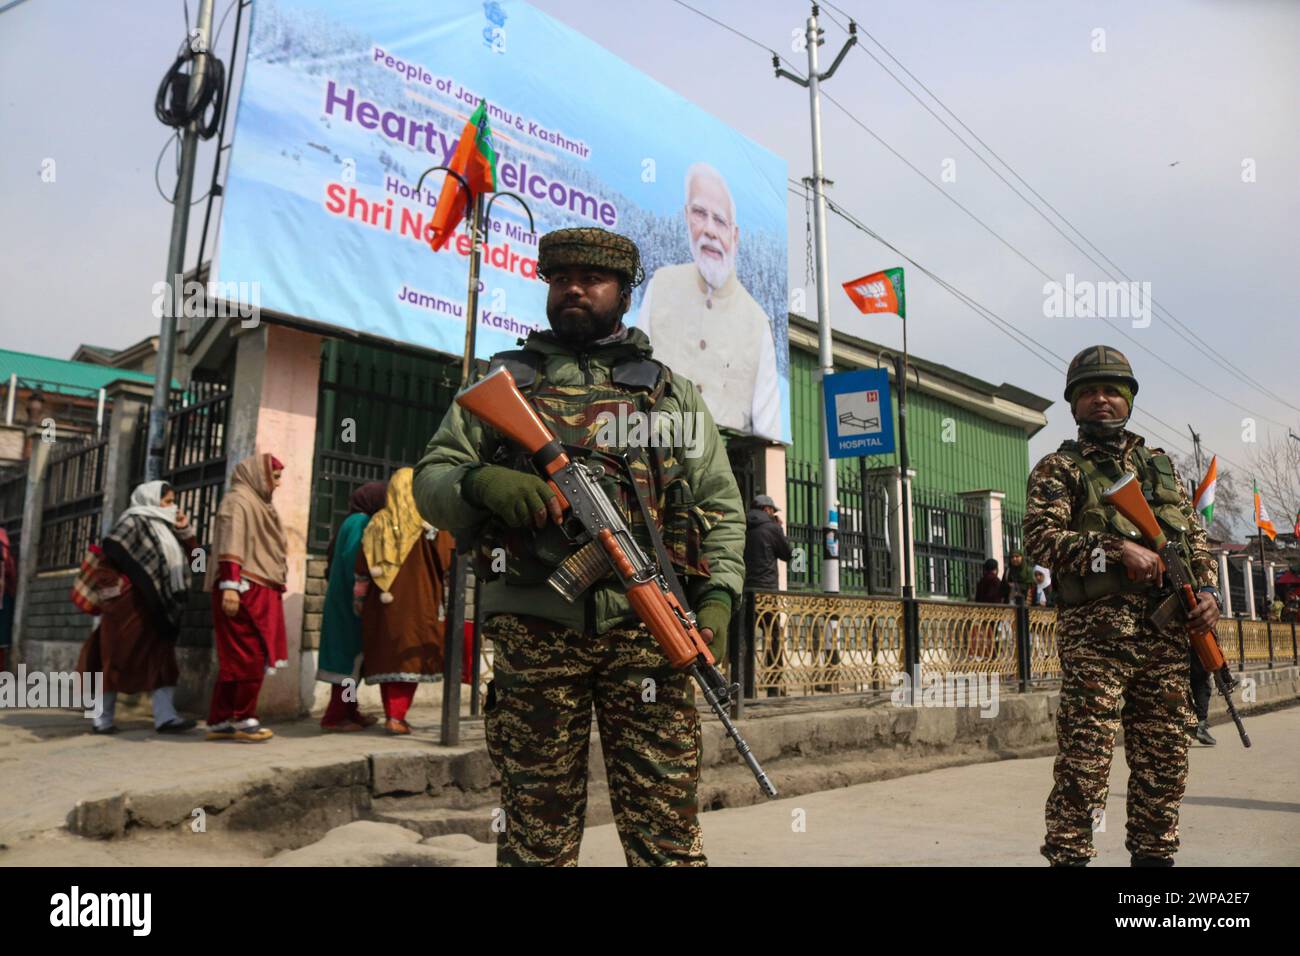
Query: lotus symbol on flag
x=874, y=291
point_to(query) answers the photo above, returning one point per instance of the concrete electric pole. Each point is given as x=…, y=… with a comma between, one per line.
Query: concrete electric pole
x=200, y=40
x=830, y=491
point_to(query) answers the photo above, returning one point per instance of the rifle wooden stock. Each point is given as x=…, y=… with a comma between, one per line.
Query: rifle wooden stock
x=497, y=400
x=1126, y=496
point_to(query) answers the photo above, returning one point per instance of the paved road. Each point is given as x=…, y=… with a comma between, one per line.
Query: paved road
x=1242, y=809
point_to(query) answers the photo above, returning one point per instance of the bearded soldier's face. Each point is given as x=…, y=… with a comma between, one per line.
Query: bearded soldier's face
x=584, y=303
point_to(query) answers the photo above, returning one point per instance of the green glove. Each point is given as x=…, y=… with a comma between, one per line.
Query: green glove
x=513, y=496
x=715, y=613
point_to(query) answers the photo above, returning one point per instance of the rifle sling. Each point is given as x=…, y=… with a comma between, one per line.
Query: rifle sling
x=661, y=553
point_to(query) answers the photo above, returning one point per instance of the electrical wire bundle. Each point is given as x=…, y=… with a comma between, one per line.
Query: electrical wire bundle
x=172, y=106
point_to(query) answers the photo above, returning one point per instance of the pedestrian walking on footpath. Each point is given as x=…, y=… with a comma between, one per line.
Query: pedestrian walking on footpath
x=8, y=594
x=140, y=584
x=401, y=572
x=765, y=544
x=1111, y=648
x=340, y=632
x=247, y=570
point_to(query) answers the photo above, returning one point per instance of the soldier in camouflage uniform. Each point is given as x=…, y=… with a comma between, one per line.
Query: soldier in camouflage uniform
x=553, y=660
x=1110, y=646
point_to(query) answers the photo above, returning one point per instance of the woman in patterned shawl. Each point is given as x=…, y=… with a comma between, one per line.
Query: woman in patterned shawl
x=142, y=584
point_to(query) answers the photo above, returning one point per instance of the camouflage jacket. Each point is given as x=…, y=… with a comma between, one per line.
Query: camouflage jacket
x=462, y=442
x=1057, y=489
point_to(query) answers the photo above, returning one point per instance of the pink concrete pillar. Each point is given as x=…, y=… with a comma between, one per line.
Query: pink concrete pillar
x=277, y=376
x=773, y=465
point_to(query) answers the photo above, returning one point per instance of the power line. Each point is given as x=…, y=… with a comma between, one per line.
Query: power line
x=1033, y=265
x=1006, y=327
x=989, y=229
x=1196, y=342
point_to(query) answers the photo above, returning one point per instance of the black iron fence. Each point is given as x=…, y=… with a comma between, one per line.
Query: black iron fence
x=950, y=541
x=376, y=411
x=865, y=566
x=335, y=476
x=194, y=458
x=1013, y=531
x=72, y=499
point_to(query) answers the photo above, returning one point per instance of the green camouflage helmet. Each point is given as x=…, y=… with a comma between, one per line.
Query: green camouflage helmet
x=1098, y=363
x=590, y=247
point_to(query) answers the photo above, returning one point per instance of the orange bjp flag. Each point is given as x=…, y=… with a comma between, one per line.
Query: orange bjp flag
x=476, y=160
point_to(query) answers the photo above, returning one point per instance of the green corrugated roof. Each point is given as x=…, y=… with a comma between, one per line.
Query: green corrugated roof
x=63, y=376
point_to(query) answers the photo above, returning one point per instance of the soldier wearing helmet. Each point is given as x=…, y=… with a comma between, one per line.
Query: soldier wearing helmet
x=1119, y=638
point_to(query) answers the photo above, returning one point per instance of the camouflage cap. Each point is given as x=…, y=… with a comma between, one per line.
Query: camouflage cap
x=590, y=247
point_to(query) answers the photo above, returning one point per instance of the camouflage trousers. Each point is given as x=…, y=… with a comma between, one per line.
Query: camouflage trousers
x=1149, y=670
x=546, y=679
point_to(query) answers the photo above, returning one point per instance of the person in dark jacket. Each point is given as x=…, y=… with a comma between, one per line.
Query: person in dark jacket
x=989, y=588
x=765, y=544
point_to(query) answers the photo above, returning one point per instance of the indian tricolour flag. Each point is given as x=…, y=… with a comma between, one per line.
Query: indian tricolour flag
x=1204, y=502
x=1262, y=520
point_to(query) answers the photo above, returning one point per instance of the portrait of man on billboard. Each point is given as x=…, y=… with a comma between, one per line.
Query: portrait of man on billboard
x=705, y=325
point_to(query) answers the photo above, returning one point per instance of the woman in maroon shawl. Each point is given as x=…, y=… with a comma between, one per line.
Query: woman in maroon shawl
x=246, y=575
x=143, y=584
x=8, y=593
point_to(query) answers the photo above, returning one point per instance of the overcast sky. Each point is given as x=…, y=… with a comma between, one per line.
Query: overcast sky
x=1141, y=147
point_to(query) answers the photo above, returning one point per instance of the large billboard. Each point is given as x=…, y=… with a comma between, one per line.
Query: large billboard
x=345, y=103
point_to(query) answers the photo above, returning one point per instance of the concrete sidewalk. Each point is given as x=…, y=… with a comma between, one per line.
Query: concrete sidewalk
x=49, y=761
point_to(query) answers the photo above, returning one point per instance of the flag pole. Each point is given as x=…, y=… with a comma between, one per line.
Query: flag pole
x=471, y=299
x=904, y=464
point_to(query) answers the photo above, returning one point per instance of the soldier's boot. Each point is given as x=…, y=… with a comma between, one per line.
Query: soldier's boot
x=1070, y=863
x=1151, y=861
x=1203, y=734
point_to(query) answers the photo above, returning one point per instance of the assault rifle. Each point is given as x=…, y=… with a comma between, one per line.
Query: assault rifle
x=1126, y=496
x=596, y=524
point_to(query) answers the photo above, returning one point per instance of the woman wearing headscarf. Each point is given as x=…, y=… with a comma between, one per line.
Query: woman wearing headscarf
x=401, y=580
x=340, y=632
x=143, y=583
x=8, y=594
x=1043, y=595
x=246, y=575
